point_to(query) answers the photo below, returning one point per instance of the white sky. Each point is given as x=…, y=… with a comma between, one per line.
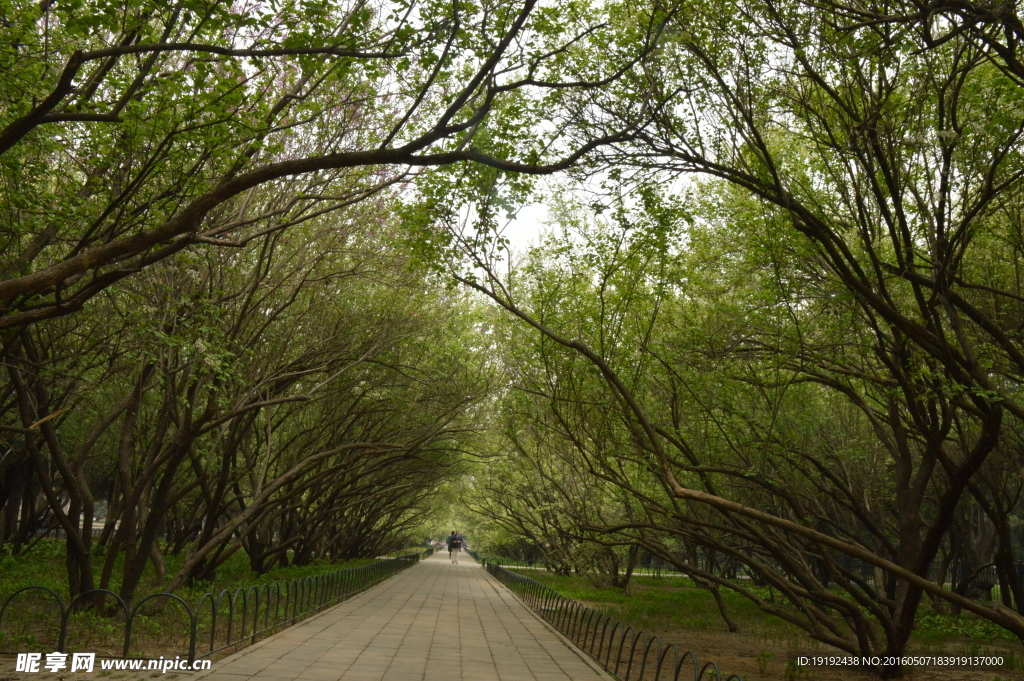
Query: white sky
x=525, y=230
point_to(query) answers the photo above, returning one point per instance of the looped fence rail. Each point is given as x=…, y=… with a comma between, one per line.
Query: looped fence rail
x=627, y=653
x=230, y=618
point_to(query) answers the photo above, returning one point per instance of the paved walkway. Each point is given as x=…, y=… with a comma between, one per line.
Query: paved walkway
x=433, y=622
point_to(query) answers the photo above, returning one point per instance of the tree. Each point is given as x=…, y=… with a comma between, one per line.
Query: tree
x=288, y=401
x=137, y=130
x=719, y=360
x=901, y=171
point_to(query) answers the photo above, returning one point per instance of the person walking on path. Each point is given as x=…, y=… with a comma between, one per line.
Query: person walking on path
x=455, y=541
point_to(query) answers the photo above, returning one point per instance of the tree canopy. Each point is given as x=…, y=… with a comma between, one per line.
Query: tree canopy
x=256, y=295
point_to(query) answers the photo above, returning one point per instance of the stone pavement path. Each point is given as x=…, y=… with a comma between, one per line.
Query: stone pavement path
x=432, y=622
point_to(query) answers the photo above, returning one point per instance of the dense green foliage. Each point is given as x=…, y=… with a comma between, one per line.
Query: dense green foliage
x=219, y=326
x=784, y=341
x=774, y=332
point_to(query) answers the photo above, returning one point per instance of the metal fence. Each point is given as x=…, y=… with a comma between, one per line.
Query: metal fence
x=627, y=653
x=231, y=617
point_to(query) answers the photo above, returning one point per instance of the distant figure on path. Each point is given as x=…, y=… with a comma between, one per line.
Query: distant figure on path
x=455, y=541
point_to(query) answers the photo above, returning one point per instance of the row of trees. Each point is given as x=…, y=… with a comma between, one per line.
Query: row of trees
x=793, y=345
x=285, y=401
x=792, y=340
x=218, y=324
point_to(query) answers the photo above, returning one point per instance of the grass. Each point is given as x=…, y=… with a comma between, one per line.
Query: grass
x=678, y=612
x=662, y=603
x=43, y=565
x=31, y=622
x=675, y=603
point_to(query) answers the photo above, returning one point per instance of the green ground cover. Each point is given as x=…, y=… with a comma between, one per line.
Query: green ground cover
x=43, y=565
x=32, y=621
x=668, y=604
